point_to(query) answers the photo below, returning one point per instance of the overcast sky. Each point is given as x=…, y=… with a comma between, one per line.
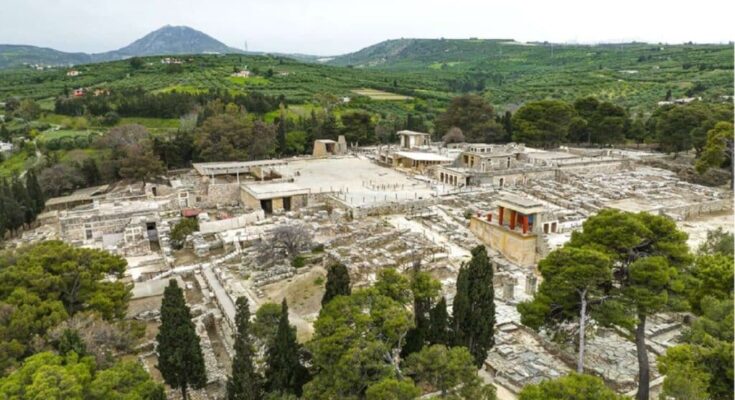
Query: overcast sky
x=338, y=26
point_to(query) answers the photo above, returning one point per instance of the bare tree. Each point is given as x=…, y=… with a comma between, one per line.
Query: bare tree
x=101, y=339
x=288, y=240
x=453, y=135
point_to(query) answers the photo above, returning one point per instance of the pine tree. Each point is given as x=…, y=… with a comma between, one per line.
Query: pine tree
x=439, y=324
x=338, y=283
x=244, y=383
x=180, y=357
x=474, y=307
x=284, y=372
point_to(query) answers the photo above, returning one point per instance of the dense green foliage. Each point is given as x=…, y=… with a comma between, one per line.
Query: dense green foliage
x=180, y=358
x=43, y=285
x=474, y=308
x=702, y=366
x=70, y=377
x=244, y=383
x=285, y=372
x=338, y=283
x=633, y=75
x=181, y=230
x=20, y=202
x=570, y=387
x=450, y=371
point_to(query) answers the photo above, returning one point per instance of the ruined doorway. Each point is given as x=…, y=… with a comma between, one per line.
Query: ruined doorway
x=287, y=203
x=152, y=234
x=267, y=206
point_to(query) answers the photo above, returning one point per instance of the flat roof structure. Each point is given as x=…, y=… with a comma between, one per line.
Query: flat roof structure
x=550, y=155
x=422, y=156
x=265, y=191
x=412, y=133
x=233, y=167
x=522, y=204
x=78, y=196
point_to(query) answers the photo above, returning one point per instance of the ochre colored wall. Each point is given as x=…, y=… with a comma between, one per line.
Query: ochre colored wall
x=515, y=247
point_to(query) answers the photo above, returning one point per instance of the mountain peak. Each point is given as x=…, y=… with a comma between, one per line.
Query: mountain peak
x=170, y=39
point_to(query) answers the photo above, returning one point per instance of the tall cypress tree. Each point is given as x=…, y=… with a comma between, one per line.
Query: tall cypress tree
x=474, y=307
x=180, y=357
x=338, y=283
x=281, y=135
x=424, y=289
x=35, y=192
x=244, y=383
x=439, y=324
x=24, y=200
x=284, y=372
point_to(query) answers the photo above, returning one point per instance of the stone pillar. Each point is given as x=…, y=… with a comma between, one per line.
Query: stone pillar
x=501, y=211
x=513, y=219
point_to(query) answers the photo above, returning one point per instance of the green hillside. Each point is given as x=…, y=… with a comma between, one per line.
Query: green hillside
x=634, y=75
x=507, y=73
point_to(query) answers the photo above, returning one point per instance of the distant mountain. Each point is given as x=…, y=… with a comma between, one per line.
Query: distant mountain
x=168, y=40
x=403, y=52
x=12, y=55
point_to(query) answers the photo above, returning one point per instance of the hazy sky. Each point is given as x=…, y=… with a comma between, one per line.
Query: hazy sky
x=339, y=26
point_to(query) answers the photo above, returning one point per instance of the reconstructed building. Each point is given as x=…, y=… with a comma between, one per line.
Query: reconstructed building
x=274, y=196
x=513, y=228
x=327, y=147
x=412, y=139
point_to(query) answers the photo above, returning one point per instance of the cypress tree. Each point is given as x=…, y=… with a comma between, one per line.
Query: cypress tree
x=424, y=289
x=180, y=357
x=474, y=307
x=12, y=209
x=338, y=283
x=35, y=192
x=24, y=200
x=284, y=372
x=439, y=324
x=244, y=383
x=281, y=135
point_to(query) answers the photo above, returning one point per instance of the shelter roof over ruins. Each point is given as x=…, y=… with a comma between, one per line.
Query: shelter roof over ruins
x=422, y=156
x=233, y=167
x=264, y=191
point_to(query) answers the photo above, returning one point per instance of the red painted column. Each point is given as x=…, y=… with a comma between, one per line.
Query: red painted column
x=501, y=211
x=490, y=217
x=513, y=219
x=524, y=222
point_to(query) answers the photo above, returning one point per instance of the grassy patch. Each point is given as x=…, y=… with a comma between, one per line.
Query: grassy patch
x=181, y=89
x=15, y=164
x=249, y=80
x=154, y=123
x=375, y=94
x=63, y=133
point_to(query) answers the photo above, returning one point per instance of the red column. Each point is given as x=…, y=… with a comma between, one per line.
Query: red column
x=501, y=211
x=524, y=222
x=513, y=219
x=490, y=217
